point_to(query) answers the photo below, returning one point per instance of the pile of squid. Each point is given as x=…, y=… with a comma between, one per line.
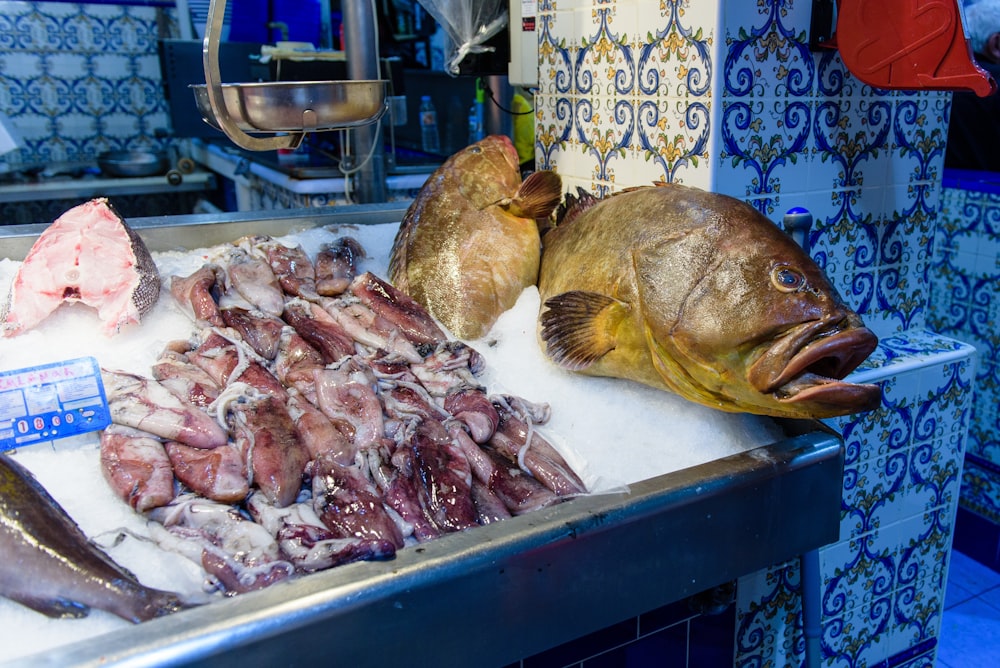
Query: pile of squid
x=318, y=416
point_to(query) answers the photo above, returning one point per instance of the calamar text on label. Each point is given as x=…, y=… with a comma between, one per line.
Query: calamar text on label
x=50, y=401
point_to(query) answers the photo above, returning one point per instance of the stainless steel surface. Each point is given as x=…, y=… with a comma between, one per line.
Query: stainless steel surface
x=99, y=187
x=363, y=63
x=292, y=106
x=493, y=594
x=167, y=233
x=133, y=163
x=274, y=108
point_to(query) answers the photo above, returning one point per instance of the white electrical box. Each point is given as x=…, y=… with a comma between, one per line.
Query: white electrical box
x=523, y=66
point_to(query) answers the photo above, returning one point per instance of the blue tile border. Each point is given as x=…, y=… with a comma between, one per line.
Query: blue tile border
x=969, y=179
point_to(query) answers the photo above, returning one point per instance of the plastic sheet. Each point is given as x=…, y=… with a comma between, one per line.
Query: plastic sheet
x=468, y=23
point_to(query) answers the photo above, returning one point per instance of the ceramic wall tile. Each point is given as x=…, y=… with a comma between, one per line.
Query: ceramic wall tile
x=918, y=137
x=79, y=79
x=883, y=581
x=769, y=618
x=628, y=89
x=965, y=303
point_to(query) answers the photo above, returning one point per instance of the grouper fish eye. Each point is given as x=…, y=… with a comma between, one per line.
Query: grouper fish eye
x=787, y=279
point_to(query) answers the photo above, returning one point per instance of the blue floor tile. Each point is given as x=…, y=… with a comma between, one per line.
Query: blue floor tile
x=970, y=626
x=970, y=636
x=971, y=575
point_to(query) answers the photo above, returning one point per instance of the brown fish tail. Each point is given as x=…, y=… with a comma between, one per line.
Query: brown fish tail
x=538, y=195
x=578, y=327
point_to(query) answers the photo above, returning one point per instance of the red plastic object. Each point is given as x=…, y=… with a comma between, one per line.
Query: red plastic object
x=909, y=44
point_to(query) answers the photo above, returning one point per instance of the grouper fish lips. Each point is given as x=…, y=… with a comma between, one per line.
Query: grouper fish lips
x=700, y=294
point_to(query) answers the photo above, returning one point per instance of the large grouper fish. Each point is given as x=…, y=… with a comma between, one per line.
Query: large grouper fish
x=469, y=244
x=48, y=564
x=698, y=293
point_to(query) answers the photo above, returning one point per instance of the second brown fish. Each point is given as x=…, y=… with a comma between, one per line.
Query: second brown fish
x=469, y=244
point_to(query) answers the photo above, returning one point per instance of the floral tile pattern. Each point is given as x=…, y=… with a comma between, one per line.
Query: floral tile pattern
x=78, y=79
x=625, y=92
x=965, y=303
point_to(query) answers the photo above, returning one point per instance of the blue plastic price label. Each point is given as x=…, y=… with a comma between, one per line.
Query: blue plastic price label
x=43, y=403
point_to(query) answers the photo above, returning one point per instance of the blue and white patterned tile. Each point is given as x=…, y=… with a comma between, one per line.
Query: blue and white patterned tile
x=768, y=52
x=981, y=490
x=671, y=141
x=605, y=63
x=825, y=172
x=672, y=144
x=856, y=573
x=933, y=479
x=555, y=59
x=553, y=128
x=860, y=637
x=854, y=136
x=843, y=242
x=862, y=495
x=920, y=130
x=763, y=148
x=942, y=410
x=921, y=578
x=675, y=49
x=966, y=279
x=769, y=618
x=887, y=428
x=80, y=78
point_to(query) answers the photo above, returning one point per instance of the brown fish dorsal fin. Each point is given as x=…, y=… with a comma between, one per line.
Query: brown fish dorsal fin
x=578, y=327
x=574, y=206
x=538, y=195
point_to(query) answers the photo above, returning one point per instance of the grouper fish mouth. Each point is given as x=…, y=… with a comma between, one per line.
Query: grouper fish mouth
x=698, y=293
x=814, y=370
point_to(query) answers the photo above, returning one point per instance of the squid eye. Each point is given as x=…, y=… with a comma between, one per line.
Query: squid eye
x=787, y=279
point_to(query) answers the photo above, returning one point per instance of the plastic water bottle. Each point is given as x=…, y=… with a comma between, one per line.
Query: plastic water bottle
x=476, y=132
x=429, y=139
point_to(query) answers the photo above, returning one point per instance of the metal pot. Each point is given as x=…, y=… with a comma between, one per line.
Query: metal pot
x=133, y=163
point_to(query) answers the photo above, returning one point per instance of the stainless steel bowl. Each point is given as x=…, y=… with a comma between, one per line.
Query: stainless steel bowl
x=133, y=163
x=293, y=106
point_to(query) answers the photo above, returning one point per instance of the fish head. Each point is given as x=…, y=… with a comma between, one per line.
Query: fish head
x=758, y=329
x=487, y=172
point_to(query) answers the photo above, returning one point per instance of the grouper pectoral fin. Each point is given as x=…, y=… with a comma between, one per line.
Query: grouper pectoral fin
x=538, y=196
x=578, y=327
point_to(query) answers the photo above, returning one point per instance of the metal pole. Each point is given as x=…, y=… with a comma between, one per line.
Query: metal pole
x=499, y=122
x=360, y=47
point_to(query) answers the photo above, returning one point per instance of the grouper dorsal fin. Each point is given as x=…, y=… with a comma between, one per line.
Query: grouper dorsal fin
x=574, y=206
x=578, y=327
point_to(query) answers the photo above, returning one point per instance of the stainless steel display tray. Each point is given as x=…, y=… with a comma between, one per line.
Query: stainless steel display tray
x=291, y=106
x=493, y=594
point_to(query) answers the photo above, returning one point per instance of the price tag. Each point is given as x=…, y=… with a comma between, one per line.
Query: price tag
x=50, y=401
